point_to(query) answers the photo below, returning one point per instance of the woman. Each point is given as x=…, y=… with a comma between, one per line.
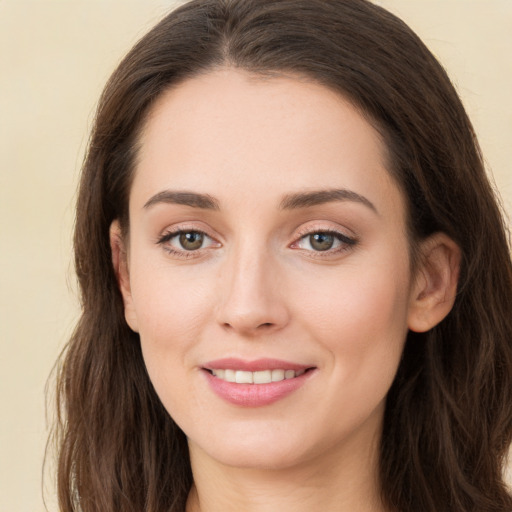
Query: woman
x=296, y=283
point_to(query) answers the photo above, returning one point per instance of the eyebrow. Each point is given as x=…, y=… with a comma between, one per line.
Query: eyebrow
x=318, y=197
x=289, y=202
x=192, y=199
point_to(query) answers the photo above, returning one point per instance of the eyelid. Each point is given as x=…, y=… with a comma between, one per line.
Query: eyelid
x=170, y=233
x=347, y=241
x=186, y=227
x=312, y=227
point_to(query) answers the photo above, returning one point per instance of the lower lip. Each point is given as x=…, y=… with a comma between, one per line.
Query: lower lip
x=255, y=395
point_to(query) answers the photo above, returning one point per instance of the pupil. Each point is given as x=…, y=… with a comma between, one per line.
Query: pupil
x=191, y=241
x=322, y=241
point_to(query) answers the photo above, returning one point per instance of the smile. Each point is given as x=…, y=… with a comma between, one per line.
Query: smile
x=261, y=377
x=255, y=383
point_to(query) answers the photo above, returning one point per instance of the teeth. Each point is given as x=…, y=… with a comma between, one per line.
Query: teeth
x=220, y=373
x=243, y=377
x=261, y=377
x=277, y=375
x=230, y=375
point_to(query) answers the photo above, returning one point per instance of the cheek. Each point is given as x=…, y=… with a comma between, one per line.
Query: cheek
x=170, y=317
x=171, y=309
x=360, y=321
x=360, y=312
x=168, y=303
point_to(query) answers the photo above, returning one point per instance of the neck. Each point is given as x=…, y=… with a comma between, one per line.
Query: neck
x=342, y=481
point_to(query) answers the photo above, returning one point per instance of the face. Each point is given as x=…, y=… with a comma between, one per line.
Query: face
x=267, y=246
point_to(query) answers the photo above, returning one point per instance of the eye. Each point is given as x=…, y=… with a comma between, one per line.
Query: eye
x=190, y=241
x=323, y=241
x=186, y=241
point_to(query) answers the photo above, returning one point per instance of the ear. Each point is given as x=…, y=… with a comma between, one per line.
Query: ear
x=435, y=286
x=120, y=263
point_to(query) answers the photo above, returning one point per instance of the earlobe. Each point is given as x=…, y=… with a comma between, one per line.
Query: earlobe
x=120, y=264
x=435, y=286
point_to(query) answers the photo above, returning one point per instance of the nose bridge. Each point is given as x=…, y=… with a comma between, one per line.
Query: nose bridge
x=251, y=300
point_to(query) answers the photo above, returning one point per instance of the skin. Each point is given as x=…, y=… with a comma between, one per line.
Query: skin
x=258, y=288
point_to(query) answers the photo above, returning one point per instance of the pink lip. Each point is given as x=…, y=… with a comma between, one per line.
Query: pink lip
x=254, y=395
x=232, y=363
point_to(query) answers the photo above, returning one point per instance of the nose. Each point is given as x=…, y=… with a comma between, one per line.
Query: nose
x=253, y=298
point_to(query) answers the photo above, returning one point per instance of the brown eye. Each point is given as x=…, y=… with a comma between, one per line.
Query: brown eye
x=328, y=242
x=321, y=241
x=191, y=240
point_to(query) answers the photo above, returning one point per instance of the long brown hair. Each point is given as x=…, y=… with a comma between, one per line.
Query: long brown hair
x=448, y=420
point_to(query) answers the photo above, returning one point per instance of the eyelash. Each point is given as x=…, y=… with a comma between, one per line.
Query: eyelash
x=346, y=243
x=184, y=254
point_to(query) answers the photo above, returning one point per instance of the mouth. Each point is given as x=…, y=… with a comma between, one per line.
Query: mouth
x=255, y=383
x=257, y=377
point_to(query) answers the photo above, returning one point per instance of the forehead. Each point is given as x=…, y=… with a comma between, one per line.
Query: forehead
x=227, y=131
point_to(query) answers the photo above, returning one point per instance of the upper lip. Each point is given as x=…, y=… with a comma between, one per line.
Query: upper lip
x=231, y=363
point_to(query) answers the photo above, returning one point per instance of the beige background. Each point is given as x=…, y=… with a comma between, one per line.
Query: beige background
x=54, y=58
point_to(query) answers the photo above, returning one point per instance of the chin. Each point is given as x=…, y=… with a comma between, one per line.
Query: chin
x=256, y=457
x=266, y=447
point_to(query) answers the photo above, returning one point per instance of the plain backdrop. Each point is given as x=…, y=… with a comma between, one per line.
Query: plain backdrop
x=55, y=57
